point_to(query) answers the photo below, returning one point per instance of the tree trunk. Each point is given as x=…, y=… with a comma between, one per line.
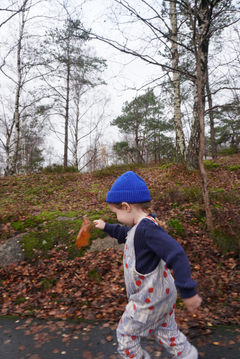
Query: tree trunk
x=204, y=15
x=203, y=173
x=210, y=105
x=16, y=106
x=180, y=143
x=75, y=151
x=193, y=146
x=7, y=148
x=65, y=162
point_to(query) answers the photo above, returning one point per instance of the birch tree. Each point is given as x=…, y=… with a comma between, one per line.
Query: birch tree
x=19, y=85
x=179, y=135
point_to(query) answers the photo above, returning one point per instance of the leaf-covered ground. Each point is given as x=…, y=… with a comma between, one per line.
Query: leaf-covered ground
x=54, y=284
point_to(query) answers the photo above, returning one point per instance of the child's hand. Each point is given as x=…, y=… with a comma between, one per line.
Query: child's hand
x=193, y=303
x=99, y=223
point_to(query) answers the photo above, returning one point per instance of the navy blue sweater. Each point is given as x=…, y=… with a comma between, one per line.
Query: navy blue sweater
x=152, y=243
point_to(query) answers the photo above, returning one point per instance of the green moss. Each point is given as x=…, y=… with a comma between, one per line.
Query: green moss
x=234, y=168
x=52, y=233
x=222, y=196
x=176, y=228
x=47, y=283
x=45, y=231
x=33, y=222
x=94, y=275
x=210, y=165
x=20, y=300
x=166, y=165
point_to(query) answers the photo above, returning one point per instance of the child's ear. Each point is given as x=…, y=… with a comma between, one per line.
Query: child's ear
x=126, y=206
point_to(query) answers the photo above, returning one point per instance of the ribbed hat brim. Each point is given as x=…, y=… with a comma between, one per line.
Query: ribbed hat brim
x=128, y=196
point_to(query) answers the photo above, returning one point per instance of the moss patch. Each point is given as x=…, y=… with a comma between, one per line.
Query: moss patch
x=176, y=228
x=46, y=231
x=210, y=165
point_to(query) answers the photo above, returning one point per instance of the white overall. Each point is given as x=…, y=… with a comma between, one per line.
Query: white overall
x=150, y=309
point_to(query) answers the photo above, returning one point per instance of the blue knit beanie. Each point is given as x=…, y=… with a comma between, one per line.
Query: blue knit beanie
x=129, y=188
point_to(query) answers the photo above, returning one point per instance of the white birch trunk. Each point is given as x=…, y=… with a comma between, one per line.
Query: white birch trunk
x=17, y=96
x=180, y=143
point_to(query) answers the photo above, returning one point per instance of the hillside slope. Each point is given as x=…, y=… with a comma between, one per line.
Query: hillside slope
x=50, y=209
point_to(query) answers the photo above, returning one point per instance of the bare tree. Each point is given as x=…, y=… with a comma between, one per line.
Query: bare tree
x=11, y=9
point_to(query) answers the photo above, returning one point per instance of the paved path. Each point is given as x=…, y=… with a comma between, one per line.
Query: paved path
x=42, y=339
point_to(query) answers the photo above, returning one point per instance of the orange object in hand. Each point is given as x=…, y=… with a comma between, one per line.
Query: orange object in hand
x=83, y=234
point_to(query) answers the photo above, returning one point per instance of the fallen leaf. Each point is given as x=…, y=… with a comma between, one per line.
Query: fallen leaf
x=83, y=234
x=22, y=347
x=109, y=338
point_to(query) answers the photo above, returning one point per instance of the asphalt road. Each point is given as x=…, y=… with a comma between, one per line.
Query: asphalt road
x=48, y=339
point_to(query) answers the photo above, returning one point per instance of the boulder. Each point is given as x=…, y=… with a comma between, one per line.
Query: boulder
x=11, y=252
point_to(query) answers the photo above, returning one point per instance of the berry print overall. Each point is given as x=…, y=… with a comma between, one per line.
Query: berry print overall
x=150, y=308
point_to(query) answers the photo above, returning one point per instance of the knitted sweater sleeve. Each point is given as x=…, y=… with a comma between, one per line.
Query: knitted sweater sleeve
x=117, y=231
x=168, y=249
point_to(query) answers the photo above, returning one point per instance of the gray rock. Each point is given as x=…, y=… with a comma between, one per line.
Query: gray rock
x=11, y=252
x=105, y=243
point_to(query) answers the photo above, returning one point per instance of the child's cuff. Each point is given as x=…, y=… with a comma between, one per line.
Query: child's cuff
x=187, y=292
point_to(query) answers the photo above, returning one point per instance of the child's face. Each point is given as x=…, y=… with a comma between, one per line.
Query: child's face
x=124, y=215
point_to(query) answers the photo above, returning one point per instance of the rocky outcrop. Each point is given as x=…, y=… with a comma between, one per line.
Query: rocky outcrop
x=11, y=252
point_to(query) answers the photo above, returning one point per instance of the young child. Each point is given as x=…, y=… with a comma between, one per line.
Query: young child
x=149, y=253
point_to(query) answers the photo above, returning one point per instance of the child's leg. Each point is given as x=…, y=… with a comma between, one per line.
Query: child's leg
x=129, y=346
x=168, y=335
